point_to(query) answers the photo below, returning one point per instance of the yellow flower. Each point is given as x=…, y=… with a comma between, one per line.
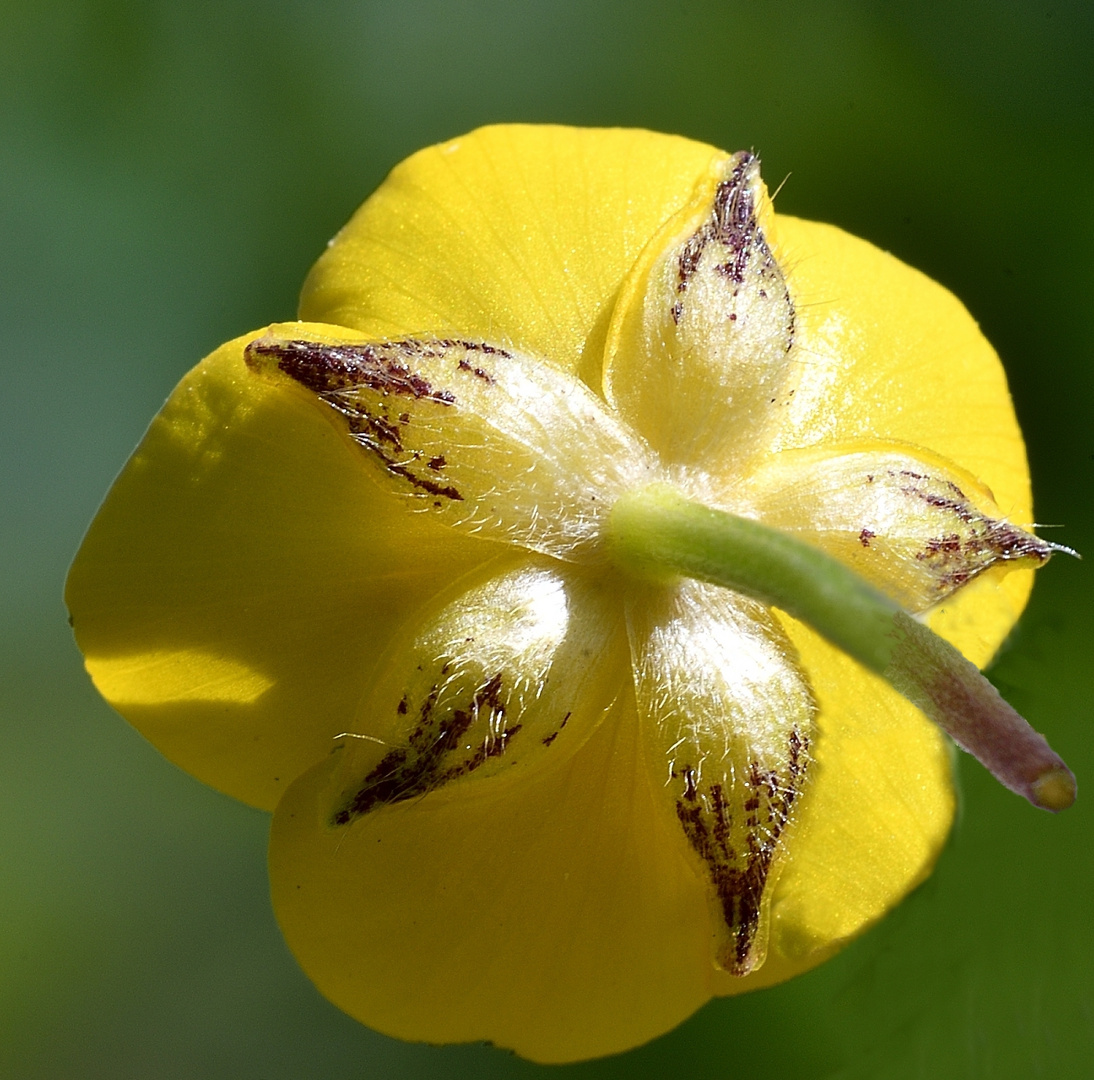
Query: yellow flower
x=567, y=803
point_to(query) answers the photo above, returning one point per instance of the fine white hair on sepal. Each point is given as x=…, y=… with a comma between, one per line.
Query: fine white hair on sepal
x=727, y=718
x=704, y=358
x=490, y=440
x=504, y=674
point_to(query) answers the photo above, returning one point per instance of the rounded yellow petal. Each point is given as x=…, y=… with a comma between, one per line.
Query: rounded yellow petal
x=886, y=353
x=236, y=589
x=518, y=234
x=559, y=912
x=553, y=912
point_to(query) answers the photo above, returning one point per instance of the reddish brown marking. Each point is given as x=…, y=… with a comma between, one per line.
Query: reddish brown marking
x=474, y=346
x=957, y=557
x=865, y=536
x=324, y=369
x=554, y=734
x=427, y=761
x=341, y=375
x=447, y=491
x=479, y=373
x=743, y=249
x=738, y=855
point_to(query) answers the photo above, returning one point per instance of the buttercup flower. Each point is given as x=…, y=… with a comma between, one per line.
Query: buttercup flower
x=412, y=574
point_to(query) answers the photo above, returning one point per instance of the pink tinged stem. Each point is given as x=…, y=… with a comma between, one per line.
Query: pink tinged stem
x=934, y=676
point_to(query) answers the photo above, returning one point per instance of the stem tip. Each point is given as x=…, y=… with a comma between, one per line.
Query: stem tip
x=1054, y=789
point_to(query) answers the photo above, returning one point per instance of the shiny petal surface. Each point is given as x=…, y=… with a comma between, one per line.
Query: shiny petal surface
x=492, y=442
x=905, y=520
x=699, y=351
x=727, y=716
x=886, y=353
x=440, y=918
x=243, y=576
x=518, y=234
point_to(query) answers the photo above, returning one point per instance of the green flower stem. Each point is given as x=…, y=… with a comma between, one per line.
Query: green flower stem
x=657, y=532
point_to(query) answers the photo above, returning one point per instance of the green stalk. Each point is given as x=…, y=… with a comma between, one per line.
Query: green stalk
x=657, y=532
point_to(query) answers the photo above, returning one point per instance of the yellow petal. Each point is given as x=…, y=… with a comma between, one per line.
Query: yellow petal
x=886, y=353
x=515, y=233
x=247, y=578
x=874, y=817
x=560, y=912
x=243, y=576
x=554, y=913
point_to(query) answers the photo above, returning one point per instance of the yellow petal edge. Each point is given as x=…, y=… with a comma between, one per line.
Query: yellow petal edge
x=237, y=591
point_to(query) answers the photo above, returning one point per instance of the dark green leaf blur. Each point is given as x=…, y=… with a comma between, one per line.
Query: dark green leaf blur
x=169, y=169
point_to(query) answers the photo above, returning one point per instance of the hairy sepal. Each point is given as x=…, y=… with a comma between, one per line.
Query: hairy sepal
x=502, y=675
x=699, y=351
x=490, y=440
x=727, y=717
x=910, y=523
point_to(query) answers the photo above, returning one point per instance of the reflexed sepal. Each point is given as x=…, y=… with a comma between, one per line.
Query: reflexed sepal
x=490, y=440
x=909, y=523
x=506, y=673
x=699, y=352
x=726, y=716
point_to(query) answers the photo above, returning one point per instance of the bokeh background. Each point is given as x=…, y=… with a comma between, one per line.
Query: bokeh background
x=169, y=169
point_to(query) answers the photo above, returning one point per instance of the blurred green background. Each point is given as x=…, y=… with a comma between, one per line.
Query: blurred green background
x=169, y=171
